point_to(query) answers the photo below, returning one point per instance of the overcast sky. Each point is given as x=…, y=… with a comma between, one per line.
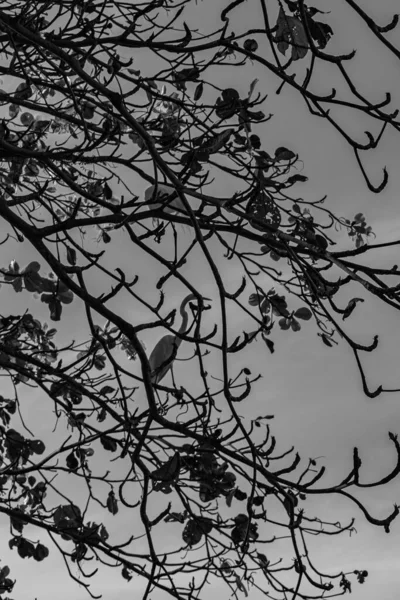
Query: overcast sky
x=314, y=392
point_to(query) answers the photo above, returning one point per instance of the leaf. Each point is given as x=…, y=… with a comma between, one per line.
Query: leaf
x=254, y=299
x=284, y=324
x=33, y=282
x=23, y=91
x=169, y=471
x=13, y=110
x=112, y=504
x=227, y=106
x=252, y=87
x=320, y=32
x=269, y=343
x=326, y=340
x=25, y=548
x=295, y=325
x=290, y=32
x=239, y=494
x=107, y=389
x=198, y=92
x=303, y=313
x=282, y=153
x=295, y=178
x=108, y=443
x=72, y=462
x=194, y=530
x=107, y=191
x=5, y=571
x=126, y=574
x=240, y=585
x=217, y=142
x=250, y=45
x=40, y=553
x=67, y=515
x=351, y=306
x=71, y=255
x=27, y=118
x=64, y=294
x=263, y=208
x=88, y=110
x=55, y=309
x=192, y=533
x=99, y=362
x=252, y=115
x=37, y=446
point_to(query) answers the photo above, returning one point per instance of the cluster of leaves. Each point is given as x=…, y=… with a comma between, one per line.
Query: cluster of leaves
x=295, y=30
x=358, y=230
x=52, y=292
x=273, y=308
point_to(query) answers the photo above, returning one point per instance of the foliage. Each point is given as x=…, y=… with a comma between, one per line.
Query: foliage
x=100, y=101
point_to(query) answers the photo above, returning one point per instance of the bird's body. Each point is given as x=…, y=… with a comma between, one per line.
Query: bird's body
x=164, y=352
x=160, y=198
x=163, y=355
x=166, y=198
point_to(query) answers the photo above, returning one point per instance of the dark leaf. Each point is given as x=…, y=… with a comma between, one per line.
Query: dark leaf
x=351, y=306
x=25, y=548
x=326, y=340
x=107, y=191
x=169, y=471
x=71, y=255
x=240, y=495
x=290, y=33
x=26, y=119
x=215, y=144
x=55, y=309
x=41, y=552
x=303, y=313
x=284, y=154
x=13, y=110
x=112, y=503
x=88, y=110
x=295, y=178
x=295, y=325
x=198, y=92
x=194, y=530
x=37, y=446
x=250, y=45
x=284, y=324
x=23, y=91
x=258, y=500
x=72, y=462
x=99, y=362
x=108, y=443
x=269, y=343
x=126, y=574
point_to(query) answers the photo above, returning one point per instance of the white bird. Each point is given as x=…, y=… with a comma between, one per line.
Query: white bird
x=153, y=197
x=164, y=352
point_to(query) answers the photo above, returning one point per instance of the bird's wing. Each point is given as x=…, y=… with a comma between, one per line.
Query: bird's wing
x=162, y=357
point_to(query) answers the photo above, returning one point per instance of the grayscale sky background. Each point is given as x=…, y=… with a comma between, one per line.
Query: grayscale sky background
x=313, y=391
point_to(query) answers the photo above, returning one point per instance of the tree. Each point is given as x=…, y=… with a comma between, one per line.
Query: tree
x=101, y=100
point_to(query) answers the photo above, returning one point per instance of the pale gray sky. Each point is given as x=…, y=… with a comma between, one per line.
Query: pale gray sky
x=314, y=391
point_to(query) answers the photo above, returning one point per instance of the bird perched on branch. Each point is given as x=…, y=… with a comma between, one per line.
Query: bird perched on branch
x=164, y=352
x=158, y=196
x=166, y=197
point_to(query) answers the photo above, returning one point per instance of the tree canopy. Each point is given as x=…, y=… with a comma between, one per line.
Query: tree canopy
x=127, y=167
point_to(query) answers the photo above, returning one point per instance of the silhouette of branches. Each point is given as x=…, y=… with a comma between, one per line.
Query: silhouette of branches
x=115, y=132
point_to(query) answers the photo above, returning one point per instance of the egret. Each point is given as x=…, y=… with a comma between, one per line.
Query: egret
x=164, y=352
x=157, y=198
